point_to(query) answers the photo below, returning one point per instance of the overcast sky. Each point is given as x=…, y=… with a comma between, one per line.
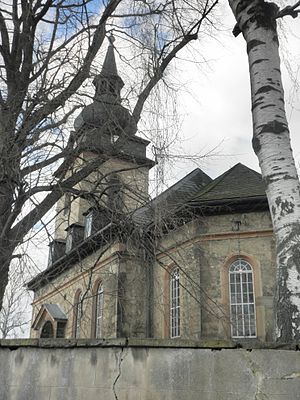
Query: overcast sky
x=217, y=107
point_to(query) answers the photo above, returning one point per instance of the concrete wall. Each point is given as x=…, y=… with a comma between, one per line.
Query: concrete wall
x=146, y=370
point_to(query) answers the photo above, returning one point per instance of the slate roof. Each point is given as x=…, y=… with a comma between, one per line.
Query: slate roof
x=238, y=185
x=172, y=198
x=55, y=312
x=240, y=189
x=239, y=182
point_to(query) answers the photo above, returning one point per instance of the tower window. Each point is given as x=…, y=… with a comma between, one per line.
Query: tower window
x=174, y=303
x=88, y=225
x=67, y=203
x=242, y=300
x=56, y=250
x=112, y=87
x=74, y=236
x=50, y=256
x=103, y=86
x=69, y=241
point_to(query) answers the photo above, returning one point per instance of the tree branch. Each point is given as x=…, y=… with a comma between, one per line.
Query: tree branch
x=289, y=10
x=21, y=228
x=82, y=74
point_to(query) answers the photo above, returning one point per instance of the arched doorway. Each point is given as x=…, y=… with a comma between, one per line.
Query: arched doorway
x=47, y=330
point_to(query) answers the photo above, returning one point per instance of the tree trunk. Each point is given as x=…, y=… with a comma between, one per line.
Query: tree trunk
x=271, y=143
x=5, y=258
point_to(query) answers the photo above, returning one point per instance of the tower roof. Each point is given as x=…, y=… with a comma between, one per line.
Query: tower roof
x=109, y=83
x=106, y=111
x=109, y=66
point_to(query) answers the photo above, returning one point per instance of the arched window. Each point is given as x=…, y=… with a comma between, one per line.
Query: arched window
x=47, y=330
x=242, y=300
x=99, y=311
x=115, y=193
x=77, y=314
x=174, y=303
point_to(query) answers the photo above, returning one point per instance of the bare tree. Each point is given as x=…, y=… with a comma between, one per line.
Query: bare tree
x=14, y=316
x=46, y=54
x=256, y=20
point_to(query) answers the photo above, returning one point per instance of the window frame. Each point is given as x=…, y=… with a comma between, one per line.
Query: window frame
x=77, y=314
x=174, y=303
x=241, y=285
x=88, y=224
x=67, y=203
x=69, y=241
x=50, y=255
x=98, y=314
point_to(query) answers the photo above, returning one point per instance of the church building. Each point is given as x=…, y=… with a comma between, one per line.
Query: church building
x=196, y=262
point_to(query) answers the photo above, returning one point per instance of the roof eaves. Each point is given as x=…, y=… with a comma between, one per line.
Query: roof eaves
x=68, y=260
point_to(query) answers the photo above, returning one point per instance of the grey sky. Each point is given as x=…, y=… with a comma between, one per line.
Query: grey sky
x=218, y=106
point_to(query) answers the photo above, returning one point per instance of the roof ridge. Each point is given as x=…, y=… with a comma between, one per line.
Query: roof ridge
x=218, y=179
x=221, y=177
x=193, y=172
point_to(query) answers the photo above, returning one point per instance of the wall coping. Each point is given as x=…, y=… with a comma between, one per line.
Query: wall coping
x=152, y=343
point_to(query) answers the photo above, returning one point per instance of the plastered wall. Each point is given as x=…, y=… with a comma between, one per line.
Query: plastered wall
x=146, y=370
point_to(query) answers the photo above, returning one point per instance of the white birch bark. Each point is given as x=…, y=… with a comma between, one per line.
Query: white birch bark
x=271, y=143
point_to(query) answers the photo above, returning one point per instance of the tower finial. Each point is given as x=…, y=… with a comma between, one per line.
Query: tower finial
x=111, y=39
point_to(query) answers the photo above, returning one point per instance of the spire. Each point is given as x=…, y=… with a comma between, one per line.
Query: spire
x=109, y=66
x=108, y=83
x=106, y=111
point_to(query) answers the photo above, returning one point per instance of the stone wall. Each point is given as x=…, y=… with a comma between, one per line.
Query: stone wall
x=136, y=297
x=146, y=370
x=204, y=250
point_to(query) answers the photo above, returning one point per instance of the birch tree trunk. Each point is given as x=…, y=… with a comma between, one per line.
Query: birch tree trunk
x=271, y=143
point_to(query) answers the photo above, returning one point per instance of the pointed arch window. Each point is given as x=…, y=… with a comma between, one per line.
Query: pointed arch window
x=99, y=311
x=112, y=87
x=77, y=314
x=242, y=300
x=103, y=86
x=174, y=303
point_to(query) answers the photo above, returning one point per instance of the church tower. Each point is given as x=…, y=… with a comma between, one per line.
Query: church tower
x=105, y=129
x=95, y=284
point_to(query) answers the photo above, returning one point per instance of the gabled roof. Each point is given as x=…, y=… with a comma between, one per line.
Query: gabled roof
x=174, y=197
x=240, y=189
x=53, y=311
x=239, y=182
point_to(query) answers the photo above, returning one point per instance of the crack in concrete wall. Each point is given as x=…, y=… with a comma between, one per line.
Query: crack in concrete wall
x=259, y=376
x=122, y=372
x=121, y=357
x=293, y=375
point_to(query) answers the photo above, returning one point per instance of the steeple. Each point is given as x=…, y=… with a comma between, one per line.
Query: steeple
x=109, y=66
x=108, y=83
x=106, y=112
